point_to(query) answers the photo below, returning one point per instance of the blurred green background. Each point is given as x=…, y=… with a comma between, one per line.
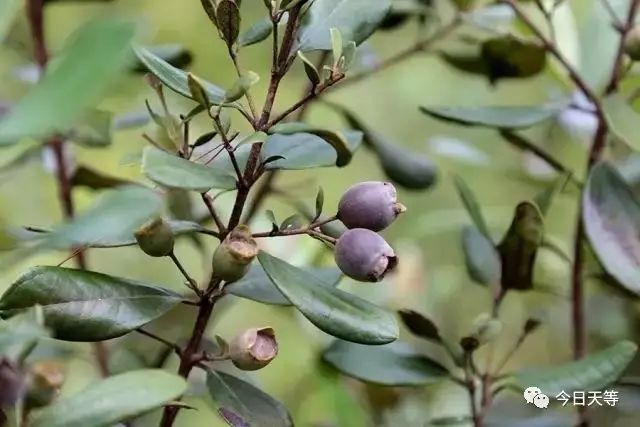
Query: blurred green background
x=431, y=277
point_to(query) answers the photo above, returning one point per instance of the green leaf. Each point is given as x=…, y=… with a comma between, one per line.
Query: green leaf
x=172, y=171
x=622, y=119
x=174, y=54
x=336, y=45
x=87, y=177
x=593, y=372
x=481, y=257
x=94, y=130
x=256, y=33
x=174, y=78
x=257, y=286
x=420, y=325
x=8, y=11
x=472, y=206
x=355, y=19
x=409, y=169
x=519, y=247
x=228, y=19
x=251, y=404
x=502, y=117
x=81, y=305
x=113, y=217
x=74, y=81
x=545, y=198
x=507, y=56
x=334, y=311
x=112, y=400
x=393, y=364
x=310, y=69
x=241, y=86
x=319, y=203
x=611, y=216
x=22, y=331
x=304, y=147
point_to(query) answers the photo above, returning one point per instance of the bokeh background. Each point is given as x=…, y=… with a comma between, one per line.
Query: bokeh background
x=431, y=277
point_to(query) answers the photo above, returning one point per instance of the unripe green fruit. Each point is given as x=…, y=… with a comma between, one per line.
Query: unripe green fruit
x=155, y=238
x=632, y=43
x=364, y=255
x=232, y=257
x=253, y=349
x=486, y=328
x=372, y=205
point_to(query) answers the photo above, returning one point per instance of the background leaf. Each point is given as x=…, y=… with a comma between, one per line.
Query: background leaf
x=355, y=19
x=472, y=205
x=83, y=305
x=334, y=311
x=112, y=400
x=481, y=257
x=253, y=405
x=172, y=171
x=113, y=217
x=503, y=117
x=393, y=364
x=611, y=215
x=256, y=33
x=74, y=81
x=593, y=372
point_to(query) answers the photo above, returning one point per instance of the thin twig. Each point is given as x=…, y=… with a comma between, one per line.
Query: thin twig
x=618, y=66
x=214, y=215
x=161, y=340
x=236, y=63
x=296, y=231
x=191, y=283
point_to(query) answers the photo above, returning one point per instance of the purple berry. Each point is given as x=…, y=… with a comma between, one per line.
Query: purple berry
x=364, y=255
x=372, y=205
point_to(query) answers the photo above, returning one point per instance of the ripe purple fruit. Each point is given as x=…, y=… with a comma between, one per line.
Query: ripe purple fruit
x=372, y=205
x=364, y=255
x=12, y=383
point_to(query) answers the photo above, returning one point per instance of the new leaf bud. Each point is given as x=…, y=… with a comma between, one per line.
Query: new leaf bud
x=364, y=255
x=253, y=349
x=372, y=205
x=155, y=238
x=232, y=257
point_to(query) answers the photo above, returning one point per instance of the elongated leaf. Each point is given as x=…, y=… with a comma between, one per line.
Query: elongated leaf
x=622, y=119
x=257, y=286
x=334, y=311
x=22, y=330
x=611, y=215
x=256, y=33
x=174, y=78
x=519, y=247
x=174, y=54
x=472, y=206
x=355, y=19
x=175, y=172
x=306, y=150
x=502, y=117
x=592, y=372
x=251, y=404
x=409, y=169
x=481, y=257
x=84, y=176
x=94, y=129
x=394, y=364
x=228, y=20
x=420, y=325
x=113, y=217
x=113, y=400
x=84, y=305
x=76, y=80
